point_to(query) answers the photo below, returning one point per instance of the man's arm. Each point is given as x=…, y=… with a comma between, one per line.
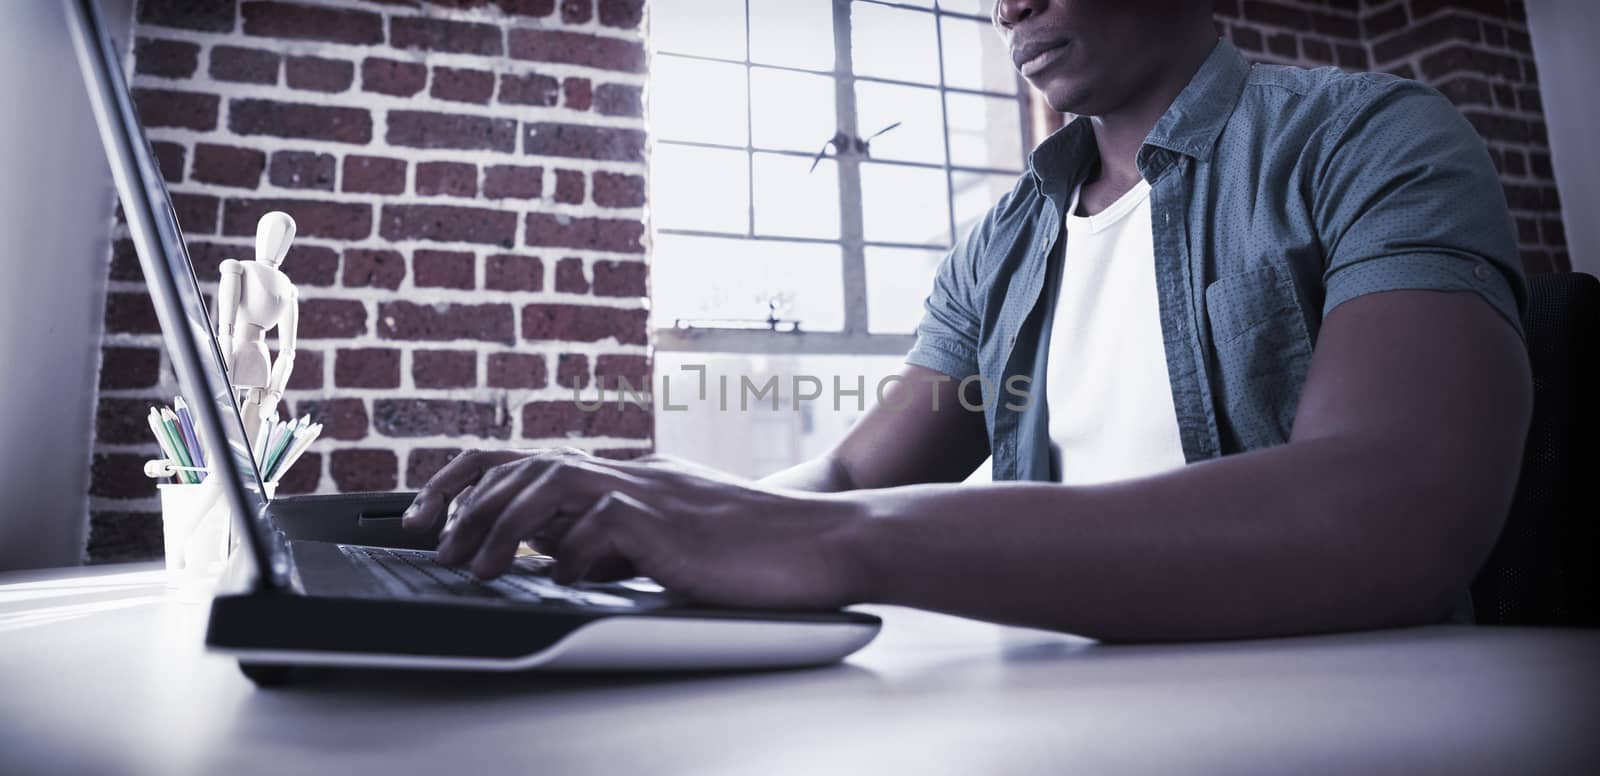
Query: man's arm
x=1386, y=500
x=918, y=433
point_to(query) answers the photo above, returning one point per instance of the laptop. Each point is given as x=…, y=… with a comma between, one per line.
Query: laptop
x=333, y=580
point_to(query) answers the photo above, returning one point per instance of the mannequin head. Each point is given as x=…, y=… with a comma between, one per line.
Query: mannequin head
x=274, y=232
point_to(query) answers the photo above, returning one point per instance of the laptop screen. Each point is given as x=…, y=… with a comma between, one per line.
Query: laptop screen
x=179, y=302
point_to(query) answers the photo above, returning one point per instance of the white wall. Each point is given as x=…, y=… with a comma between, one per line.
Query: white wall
x=1565, y=33
x=55, y=206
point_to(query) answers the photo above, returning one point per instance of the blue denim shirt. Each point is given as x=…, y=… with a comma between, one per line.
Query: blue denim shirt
x=1277, y=194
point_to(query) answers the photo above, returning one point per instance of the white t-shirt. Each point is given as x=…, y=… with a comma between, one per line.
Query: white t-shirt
x=1109, y=398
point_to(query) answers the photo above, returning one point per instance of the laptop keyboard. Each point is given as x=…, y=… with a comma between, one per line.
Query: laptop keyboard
x=410, y=573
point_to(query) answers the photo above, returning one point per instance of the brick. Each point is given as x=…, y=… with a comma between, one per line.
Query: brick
x=304, y=477
x=1376, y=25
x=584, y=142
x=319, y=75
x=300, y=120
x=374, y=175
x=1228, y=8
x=529, y=89
x=129, y=367
x=570, y=277
x=517, y=370
x=577, y=48
x=373, y=268
x=527, y=7
x=119, y=475
x=446, y=322
x=442, y=269
x=119, y=536
x=121, y=420
x=577, y=93
x=505, y=181
x=462, y=85
x=333, y=220
x=572, y=370
x=1246, y=38
x=387, y=76
x=228, y=165
x=420, y=129
x=619, y=278
x=613, y=189
x=619, y=371
x=439, y=417
x=1336, y=25
x=596, y=234
x=424, y=462
x=584, y=323
x=1515, y=162
x=311, y=265
x=1553, y=231
x=308, y=370
x=1352, y=57
x=325, y=318
x=619, y=100
x=169, y=157
x=125, y=262
x=131, y=313
x=450, y=179
x=1528, y=99
x=302, y=170
x=428, y=34
x=444, y=368
x=558, y=419
x=569, y=187
x=309, y=22
x=366, y=368
x=356, y=470
x=244, y=65
x=446, y=223
x=172, y=108
x=1440, y=29
x=1284, y=45
x=1317, y=50
x=626, y=14
x=165, y=58
x=206, y=257
x=188, y=14
x=510, y=272
x=342, y=419
x=1539, y=165
x=577, y=11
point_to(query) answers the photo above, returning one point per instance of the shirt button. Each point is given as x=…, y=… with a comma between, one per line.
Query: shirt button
x=1481, y=271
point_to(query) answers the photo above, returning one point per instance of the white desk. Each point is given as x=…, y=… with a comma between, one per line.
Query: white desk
x=100, y=672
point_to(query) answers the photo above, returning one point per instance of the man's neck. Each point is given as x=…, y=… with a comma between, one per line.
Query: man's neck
x=1120, y=132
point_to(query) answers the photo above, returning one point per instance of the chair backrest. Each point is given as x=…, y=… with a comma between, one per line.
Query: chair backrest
x=1545, y=569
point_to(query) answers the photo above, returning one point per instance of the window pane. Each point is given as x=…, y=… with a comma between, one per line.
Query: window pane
x=751, y=438
x=919, y=138
x=898, y=280
x=707, y=28
x=792, y=111
x=893, y=43
x=699, y=188
x=976, y=57
x=717, y=278
x=984, y=131
x=976, y=7
x=975, y=193
x=792, y=202
x=699, y=101
x=904, y=204
x=792, y=34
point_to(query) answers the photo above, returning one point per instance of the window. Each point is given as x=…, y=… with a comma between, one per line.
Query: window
x=818, y=262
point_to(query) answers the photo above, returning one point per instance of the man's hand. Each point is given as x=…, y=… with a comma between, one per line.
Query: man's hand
x=712, y=537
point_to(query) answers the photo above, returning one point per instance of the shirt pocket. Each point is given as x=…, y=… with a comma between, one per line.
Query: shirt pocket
x=1261, y=350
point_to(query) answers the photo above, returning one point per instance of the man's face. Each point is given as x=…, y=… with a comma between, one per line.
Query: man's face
x=1087, y=57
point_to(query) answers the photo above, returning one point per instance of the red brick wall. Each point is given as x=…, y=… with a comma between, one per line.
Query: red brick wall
x=1477, y=52
x=468, y=180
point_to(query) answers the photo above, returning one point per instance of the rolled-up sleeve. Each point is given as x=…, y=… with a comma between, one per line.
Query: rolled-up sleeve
x=1408, y=198
x=947, y=337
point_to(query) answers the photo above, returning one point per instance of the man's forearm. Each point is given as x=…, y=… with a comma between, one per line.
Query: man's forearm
x=1323, y=535
x=818, y=475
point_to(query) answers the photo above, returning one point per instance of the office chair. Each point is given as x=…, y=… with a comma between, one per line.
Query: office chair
x=1545, y=568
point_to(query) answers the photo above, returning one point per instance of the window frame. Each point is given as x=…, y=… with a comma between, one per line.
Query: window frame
x=855, y=338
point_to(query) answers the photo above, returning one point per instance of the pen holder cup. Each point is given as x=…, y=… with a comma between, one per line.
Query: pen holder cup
x=196, y=529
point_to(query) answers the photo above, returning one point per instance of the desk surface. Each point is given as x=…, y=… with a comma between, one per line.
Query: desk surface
x=102, y=671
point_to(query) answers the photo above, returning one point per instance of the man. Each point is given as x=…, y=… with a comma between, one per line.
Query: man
x=1268, y=316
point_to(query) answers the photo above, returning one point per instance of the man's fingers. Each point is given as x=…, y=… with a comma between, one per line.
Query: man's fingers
x=619, y=529
x=429, y=506
x=517, y=505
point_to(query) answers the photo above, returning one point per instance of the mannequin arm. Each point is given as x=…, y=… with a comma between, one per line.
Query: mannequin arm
x=232, y=274
x=284, y=365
